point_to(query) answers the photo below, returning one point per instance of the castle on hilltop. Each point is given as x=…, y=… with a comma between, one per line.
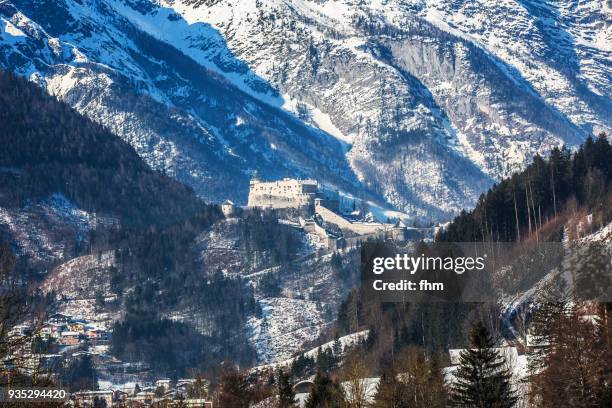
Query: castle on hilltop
x=319, y=214
x=288, y=193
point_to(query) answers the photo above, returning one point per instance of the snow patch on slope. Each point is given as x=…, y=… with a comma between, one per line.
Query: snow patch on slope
x=39, y=229
x=285, y=325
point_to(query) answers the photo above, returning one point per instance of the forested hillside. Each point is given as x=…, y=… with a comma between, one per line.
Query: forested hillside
x=521, y=205
x=109, y=239
x=48, y=148
x=538, y=202
x=162, y=286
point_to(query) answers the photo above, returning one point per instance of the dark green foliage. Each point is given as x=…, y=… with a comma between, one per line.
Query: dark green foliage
x=141, y=336
x=158, y=264
x=235, y=390
x=528, y=199
x=349, y=314
x=434, y=326
x=261, y=233
x=391, y=392
x=326, y=360
x=301, y=366
x=343, y=273
x=269, y=285
x=337, y=347
x=44, y=345
x=482, y=379
x=286, y=395
x=326, y=393
x=80, y=374
x=49, y=148
x=158, y=269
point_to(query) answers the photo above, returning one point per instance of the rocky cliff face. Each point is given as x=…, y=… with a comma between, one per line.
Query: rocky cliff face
x=414, y=105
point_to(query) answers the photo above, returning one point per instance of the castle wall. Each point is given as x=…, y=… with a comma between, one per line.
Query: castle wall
x=286, y=193
x=344, y=224
x=303, y=197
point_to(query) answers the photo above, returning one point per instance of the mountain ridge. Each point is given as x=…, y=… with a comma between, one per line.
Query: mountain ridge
x=372, y=89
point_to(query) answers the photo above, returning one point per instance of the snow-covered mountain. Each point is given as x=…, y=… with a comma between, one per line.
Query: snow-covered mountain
x=416, y=105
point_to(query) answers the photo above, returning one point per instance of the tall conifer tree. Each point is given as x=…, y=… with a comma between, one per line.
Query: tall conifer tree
x=285, y=390
x=326, y=393
x=482, y=379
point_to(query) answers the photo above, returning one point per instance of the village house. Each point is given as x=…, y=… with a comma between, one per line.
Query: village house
x=146, y=397
x=181, y=382
x=70, y=338
x=96, y=334
x=92, y=398
x=53, y=330
x=197, y=403
x=20, y=330
x=120, y=396
x=77, y=325
x=163, y=383
x=59, y=318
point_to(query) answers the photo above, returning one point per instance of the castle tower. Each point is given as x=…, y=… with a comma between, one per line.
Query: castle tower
x=227, y=207
x=255, y=178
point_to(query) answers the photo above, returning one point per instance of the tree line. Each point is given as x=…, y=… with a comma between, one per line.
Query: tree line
x=519, y=206
x=47, y=148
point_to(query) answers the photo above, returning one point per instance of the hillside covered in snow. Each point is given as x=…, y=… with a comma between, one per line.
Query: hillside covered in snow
x=414, y=105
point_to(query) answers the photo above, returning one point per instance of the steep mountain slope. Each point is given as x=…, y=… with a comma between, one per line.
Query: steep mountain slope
x=298, y=293
x=155, y=97
x=62, y=175
x=113, y=239
x=561, y=201
x=420, y=104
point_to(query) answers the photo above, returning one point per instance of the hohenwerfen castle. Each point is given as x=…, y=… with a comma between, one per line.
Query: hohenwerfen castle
x=289, y=193
x=320, y=212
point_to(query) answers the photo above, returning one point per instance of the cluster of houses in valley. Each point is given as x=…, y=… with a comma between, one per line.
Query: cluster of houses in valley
x=58, y=339
x=65, y=330
x=70, y=331
x=66, y=338
x=184, y=393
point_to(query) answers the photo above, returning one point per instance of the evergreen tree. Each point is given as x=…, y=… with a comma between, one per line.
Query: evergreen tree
x=235, y=390
x=326, y=393
x=482, y=379
x=81, y=374
x=391, y=393
x=337, y=348
x=285, y=390
x=301, y=366
x=520, y=206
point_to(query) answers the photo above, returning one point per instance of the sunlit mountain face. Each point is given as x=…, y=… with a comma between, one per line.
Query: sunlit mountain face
x=415, y=106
